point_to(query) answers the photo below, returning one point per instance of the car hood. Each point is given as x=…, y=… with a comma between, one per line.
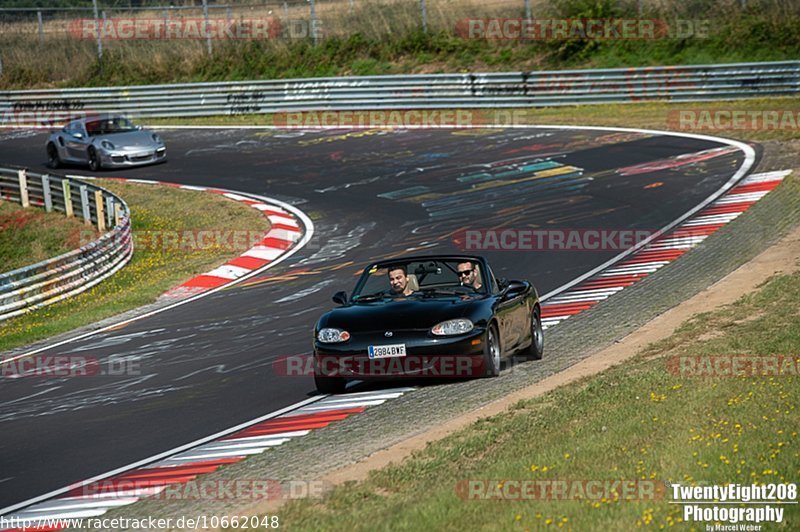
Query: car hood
x=132, y=139
x=404, y=314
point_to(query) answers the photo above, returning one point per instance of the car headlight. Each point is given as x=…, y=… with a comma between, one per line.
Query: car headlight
x=452, y=327
x=107, y=145
x=156, y=139
x=332, y=336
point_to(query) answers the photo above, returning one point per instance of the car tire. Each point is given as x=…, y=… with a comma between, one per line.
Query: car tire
x=330, y=385
x=94, y=160
x=53, y=160
x=491, y=353
x=536, y=349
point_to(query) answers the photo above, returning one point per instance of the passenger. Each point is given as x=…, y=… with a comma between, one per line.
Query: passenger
x=469, y=274
x=398, y=280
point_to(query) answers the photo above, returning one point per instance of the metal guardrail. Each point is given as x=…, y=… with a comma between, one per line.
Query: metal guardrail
x=35, y=286
x=433, y=91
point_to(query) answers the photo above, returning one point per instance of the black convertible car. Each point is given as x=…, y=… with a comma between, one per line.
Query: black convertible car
x=436, y=316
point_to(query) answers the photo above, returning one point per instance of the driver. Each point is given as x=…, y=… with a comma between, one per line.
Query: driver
x=398, y=280
x=469, y=275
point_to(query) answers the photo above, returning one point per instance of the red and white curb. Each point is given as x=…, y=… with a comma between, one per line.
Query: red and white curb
x=96, y=497
x=284, y=233
x=662, y=250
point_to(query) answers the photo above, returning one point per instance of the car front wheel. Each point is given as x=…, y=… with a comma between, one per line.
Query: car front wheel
x=330, y=385
x=53, y=160
x=491, y=353
x=94, y=159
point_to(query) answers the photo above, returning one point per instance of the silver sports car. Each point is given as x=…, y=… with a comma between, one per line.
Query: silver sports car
x=104, y=141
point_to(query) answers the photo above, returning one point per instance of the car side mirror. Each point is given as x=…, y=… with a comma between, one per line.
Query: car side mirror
x=78, y=135
x=502, y=284
x=340, y=298
x=138, y=128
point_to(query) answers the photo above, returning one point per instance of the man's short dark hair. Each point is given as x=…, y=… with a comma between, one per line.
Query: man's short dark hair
x=392, y=267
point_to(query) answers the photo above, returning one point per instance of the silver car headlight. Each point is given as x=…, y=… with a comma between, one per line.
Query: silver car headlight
x=452, y=327
x=332, y=336
x=107, y=145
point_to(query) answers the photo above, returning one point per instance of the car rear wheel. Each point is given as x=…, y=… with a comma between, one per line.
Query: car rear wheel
x=491, y=353
x=536, y=350
x=94, y=160
x=53, y=160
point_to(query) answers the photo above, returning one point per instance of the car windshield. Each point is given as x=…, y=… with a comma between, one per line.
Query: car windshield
x=429, y=278
x=108, y=126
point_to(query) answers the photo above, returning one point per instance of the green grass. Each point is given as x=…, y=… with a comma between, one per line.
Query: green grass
x=30, y=235
x=387, y=39
x=638, y=421
x=154, y=269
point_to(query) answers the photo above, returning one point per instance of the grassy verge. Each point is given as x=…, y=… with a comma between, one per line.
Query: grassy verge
x=386, y=38
x=656, y=115
x=30, y=235
x=640, y=421
x=158, y=264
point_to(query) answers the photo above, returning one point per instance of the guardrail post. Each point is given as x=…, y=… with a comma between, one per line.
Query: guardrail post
x=65, y=187
x=117, y=214
x=101, y=215
x=23, y=188
x=528, y=15
x=87, y=214
x=424, y=11
x=285, y=10
x=110, y=211
x=47, y=193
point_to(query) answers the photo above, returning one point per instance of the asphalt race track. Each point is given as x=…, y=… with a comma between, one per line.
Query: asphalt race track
x=208, y=365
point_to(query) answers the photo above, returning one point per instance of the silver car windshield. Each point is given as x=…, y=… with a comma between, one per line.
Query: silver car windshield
x=109, y=126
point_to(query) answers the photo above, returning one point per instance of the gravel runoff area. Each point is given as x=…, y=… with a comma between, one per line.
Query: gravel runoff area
x=354, y=439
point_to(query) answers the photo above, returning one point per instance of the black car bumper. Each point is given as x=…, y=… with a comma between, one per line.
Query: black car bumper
x=426, y=356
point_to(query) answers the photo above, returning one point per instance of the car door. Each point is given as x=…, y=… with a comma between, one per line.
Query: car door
x=76, y=141
x=514, y=309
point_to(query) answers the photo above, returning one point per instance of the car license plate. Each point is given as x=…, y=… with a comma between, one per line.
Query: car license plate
x=386, y=351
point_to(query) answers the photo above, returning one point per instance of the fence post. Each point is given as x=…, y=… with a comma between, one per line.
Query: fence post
x=528, y=14
x=99, y=30
x=110, y=211
x=424, y=11
x=87, y=214
x=99, y=207
x=205, y=26
x=351, y=7
x=48, y=194
x=117, y=214
x=23, y=188
x=65, y=187
x=41, y=27
x=313, y=27
x=285, y=10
